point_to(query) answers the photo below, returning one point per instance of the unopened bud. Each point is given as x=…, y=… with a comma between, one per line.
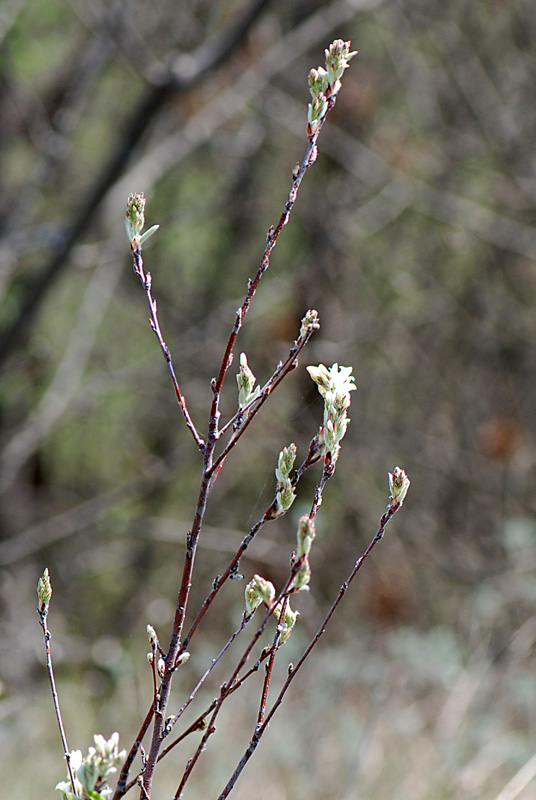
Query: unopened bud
x=318, y=81
x=258, y=591
x=398, y=487
x=303, y=577
x=285, y=495
x=246, y=381
x=285, y=462
x=135, y=220
x=305, y=535
x=337, y=58
x=44, y=592
x=287, y=620
x=135, y=216
x=310, y=322
x=152, y=636
x=315, y=114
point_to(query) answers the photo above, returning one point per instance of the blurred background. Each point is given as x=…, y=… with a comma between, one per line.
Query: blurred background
x=414, y=236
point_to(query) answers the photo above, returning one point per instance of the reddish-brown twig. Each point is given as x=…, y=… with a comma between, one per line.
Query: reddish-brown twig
x=146, y=281
x=43, y=615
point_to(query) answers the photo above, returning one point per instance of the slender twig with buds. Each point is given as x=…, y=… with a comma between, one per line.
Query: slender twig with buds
x=44, y=594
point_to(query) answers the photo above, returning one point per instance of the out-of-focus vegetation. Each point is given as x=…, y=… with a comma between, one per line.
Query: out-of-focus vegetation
x=414, y=236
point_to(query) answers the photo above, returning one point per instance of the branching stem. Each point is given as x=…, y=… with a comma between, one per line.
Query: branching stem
x=260, y=729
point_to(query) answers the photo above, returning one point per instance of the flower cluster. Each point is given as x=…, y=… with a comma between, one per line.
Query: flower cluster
x=285, y=495
x=324, y=83
x=91, y=773
x=335, y=385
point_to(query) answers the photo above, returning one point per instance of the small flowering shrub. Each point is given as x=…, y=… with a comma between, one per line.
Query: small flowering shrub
x=88, y=776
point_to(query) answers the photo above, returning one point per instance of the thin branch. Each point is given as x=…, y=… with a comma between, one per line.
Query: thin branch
x=312, y=458
x=210, y=468
x=270, y=666
x=271, y=240
x=245, y=417
x=178, y=622
x=200, y=723
x=329, y=468
x=43, y=614
x=226, y=687
x=230, y=570
x=122, y=786
x=146, y=281
x=209, y=669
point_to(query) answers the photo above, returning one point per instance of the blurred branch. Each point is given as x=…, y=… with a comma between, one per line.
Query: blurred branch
x=521, y=779
x=81, y=516
x=52, y=129
x=249, y=86
x=403, y=191
x=26, y=440
x=188, y=70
